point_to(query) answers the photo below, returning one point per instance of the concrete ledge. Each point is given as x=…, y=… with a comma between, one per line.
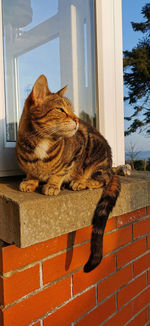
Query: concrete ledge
x=26, y=219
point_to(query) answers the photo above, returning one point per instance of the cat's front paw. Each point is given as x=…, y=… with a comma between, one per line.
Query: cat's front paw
x=50, y=190
x=28, y=185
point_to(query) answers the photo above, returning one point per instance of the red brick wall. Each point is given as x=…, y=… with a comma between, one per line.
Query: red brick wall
x=45, y=285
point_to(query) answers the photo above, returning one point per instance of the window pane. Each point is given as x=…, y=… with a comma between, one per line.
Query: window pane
x=55, y=38
x=34, y=63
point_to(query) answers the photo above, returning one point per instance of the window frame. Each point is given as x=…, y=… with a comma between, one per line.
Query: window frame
x=110, y=75
x=8, y=162
x=109, y=71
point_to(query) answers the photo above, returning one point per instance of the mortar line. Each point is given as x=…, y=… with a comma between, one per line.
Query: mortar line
x=41, y=274
x=31, y=264
x=71, y=286
x=134, y=316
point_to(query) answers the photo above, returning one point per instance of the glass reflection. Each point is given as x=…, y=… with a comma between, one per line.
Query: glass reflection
x=55, y=38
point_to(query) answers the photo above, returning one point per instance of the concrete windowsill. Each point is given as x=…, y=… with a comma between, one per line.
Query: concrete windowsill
x=29, y=218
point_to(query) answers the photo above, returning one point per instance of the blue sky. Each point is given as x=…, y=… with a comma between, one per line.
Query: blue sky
x=44, y=59
x=131, y=12
x=53, y=57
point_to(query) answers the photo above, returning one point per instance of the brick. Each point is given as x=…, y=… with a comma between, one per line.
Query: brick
x=1, y=259
x=131, y=290
x=114, y=282
x=72, y=310
x=82, y=235
x=65, y=263
x=141, y=264
x=1, y=291
x=117, y=239
x=130, y=252
x=20, y=284
x=13, y=257
x=140, y=320
x=148, y=242
x=130, y=217
x=148, y=210
x=100, y=314
x=111, y=224
x=142, y=300
x=141, y=228
x=149, y=277
x=1, y=317
x=121, y=317
x=82, y=280
x=37, y=305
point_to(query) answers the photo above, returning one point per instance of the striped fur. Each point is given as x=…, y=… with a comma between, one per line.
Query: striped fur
x=55, y=147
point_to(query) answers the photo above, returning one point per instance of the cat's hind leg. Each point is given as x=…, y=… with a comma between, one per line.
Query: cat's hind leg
x=94, y=184
x=89, y=180
x=81, y=184
x=78, y=184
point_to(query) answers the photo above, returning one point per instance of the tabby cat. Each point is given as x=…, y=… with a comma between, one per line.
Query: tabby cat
x=55, y=147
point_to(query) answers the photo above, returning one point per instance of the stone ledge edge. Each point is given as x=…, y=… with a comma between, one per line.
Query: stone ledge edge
x=27, y=219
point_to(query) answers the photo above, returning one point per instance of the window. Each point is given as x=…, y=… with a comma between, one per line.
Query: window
x=72, y=42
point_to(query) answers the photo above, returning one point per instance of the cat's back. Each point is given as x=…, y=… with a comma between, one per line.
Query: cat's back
x=91, y=134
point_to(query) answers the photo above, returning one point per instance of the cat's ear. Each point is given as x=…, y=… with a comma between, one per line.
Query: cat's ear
x=40, y=89
x=62, y=91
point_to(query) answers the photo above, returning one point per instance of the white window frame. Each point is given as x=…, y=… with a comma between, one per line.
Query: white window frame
x=110, y=75
x=8, y=162
x=109, y=69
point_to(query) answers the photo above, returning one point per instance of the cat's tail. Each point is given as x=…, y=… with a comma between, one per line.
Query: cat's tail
x=102, y=211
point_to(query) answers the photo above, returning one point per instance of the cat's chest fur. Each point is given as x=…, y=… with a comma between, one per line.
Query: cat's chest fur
x=42, y=148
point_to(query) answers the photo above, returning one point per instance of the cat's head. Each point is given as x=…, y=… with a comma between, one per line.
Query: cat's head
x=51, y=114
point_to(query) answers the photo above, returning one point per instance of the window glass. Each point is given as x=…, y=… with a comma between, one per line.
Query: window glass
x=55, y=38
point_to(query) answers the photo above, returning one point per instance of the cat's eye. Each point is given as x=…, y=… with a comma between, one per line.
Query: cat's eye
x=60, y=109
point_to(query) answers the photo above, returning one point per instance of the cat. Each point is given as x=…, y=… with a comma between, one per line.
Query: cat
x=56, y=147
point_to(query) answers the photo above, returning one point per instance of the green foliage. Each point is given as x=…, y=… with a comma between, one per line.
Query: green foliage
x=137, y=77
x=148, y=165
x=139, y=165
x=142, y=165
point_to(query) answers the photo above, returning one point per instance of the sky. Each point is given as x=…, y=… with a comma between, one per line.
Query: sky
x=131, y=12
x=44, y=59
